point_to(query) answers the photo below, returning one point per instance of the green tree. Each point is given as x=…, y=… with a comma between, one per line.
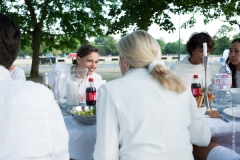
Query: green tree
x=171, y=48
x=183, y=48
x=110, y=45
x=222, y=39
x=224, y=31
x=220, y=44
x=59, y=24
x=107, y=45
x=140, y=14
x=162, y=44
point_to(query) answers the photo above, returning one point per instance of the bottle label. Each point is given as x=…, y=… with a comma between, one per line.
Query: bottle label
x=91, y=96
x=223, y=80
x=196, y=92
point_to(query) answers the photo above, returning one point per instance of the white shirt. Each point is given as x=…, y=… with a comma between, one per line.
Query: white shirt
x=185, y=70
x=140, y=120
x=31, y=123
x=18, y=74
x=62, y=85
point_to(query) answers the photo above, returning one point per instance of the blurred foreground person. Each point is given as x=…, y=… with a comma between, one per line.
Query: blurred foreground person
x=31, y=123
x=148, y=113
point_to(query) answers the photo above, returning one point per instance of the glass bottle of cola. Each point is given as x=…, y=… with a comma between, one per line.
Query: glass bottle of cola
x=196, y=86
x=91, y=94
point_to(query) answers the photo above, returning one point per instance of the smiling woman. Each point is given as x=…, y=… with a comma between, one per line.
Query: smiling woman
x=87, y=57
x=234, y=62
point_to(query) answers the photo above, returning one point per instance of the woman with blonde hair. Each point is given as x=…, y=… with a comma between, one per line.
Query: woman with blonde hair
x=148, y=113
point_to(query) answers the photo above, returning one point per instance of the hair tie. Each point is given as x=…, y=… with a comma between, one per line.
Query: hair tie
x=154, y=63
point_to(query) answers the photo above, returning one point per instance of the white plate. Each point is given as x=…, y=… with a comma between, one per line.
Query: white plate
x=228, y=111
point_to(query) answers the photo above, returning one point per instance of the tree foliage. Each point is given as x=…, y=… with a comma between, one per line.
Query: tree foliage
x=140, y=14
x=220, y=44
x=162, y=44
x=107, y=45
x=60, y=24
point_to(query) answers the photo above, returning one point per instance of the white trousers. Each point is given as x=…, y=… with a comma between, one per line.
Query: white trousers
x=222, y=153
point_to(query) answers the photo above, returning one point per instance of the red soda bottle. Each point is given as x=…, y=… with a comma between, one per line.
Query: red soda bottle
x=91, y=94
x=196, y=86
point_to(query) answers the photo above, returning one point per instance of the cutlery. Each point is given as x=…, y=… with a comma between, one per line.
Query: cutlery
x=224, y=119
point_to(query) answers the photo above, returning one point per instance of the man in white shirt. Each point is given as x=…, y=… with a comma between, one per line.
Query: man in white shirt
x=31, y=124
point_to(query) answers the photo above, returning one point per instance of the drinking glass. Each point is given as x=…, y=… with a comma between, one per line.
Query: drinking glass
x=67, y=83
x=77, y=76
x=62, y=77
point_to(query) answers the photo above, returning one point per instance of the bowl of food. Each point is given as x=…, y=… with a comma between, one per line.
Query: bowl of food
x=84, y=114
x=235, y=93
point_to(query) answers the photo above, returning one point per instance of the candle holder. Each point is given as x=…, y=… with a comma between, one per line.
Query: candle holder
x=206, y=102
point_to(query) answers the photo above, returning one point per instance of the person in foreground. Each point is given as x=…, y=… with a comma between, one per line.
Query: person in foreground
x=193, y=63
x=234, y=62
x=148, y=113
x=87, y=57
x=31, y=123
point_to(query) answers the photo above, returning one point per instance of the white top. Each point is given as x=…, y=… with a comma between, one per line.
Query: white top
x=138, y=119
x=185, y=70
x=18, y=73
x=31, y=123
x=67, y=67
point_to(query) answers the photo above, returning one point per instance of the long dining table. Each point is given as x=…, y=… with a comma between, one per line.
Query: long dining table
x=82, y=138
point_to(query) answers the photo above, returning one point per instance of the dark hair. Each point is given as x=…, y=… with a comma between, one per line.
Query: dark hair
x=86, y=49
x=10, y=37
x=232, y=67
x=197, y=40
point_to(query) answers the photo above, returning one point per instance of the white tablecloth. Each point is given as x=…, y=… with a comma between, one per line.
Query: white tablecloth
x=83, y=137
x=222, y=131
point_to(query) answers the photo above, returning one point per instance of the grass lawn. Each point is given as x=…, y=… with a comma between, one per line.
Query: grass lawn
x=107, y=74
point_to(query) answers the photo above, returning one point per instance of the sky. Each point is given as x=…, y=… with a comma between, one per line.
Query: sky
x=212, y=27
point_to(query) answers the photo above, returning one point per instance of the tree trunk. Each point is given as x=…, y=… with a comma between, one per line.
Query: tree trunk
x=35, y=47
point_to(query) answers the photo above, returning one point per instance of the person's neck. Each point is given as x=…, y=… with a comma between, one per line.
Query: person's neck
x=11, y=68
x=192, y=61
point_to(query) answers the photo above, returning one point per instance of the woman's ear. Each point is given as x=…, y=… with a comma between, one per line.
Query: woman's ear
x=78, y=60
x=125, y=62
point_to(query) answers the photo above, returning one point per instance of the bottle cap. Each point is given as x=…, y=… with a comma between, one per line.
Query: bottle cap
x=90, y=79
x=195, y=76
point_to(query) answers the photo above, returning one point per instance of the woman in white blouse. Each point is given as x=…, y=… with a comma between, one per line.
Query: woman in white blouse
x=234, y=62
x=87, y=57
x=148, y=113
